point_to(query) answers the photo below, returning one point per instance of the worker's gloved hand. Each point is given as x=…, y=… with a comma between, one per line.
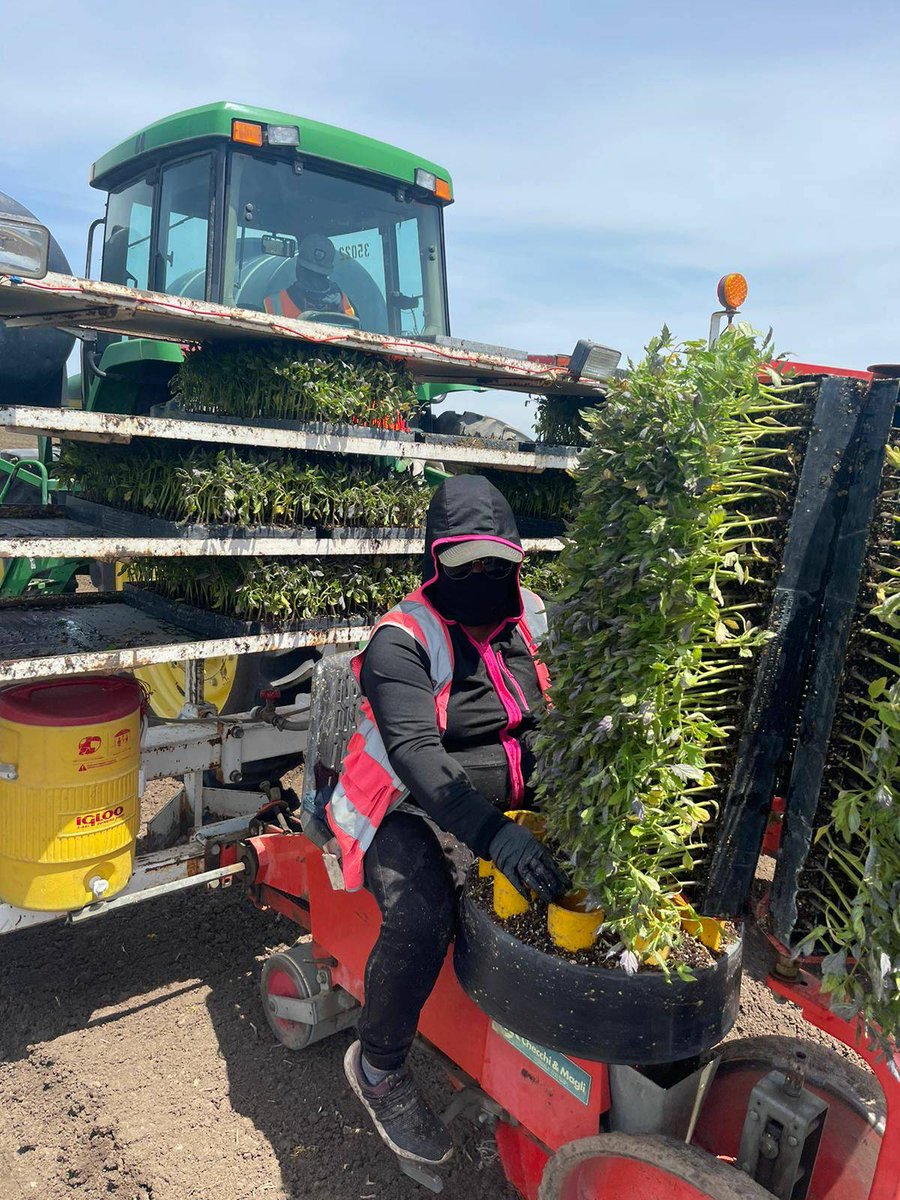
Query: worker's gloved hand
x=527, y=863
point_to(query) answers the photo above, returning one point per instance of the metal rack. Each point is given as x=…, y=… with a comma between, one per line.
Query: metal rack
x=43, y=636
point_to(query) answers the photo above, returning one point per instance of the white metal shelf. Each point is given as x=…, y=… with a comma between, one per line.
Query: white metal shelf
x=62, y=636
x=62, y=538
x=118, y=428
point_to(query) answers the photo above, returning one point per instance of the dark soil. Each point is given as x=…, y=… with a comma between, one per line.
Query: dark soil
x=531, y=927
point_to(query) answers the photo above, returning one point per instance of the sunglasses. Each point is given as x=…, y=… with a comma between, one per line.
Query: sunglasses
x=494, y=568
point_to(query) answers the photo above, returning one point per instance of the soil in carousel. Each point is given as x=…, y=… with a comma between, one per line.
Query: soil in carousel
x=582, y=1003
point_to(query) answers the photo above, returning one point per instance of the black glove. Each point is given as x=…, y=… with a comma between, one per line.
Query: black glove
x=527, y=863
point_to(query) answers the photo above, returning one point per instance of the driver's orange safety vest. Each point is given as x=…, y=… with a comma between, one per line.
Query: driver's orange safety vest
x=283, y=305
x=368, y=789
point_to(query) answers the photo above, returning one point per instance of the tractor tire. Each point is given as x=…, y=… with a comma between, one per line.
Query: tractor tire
x=233, y=684
x=611, y=1166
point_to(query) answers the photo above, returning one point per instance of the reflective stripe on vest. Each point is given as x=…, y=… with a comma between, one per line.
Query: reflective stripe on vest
x=283, y=305
x=368, y=788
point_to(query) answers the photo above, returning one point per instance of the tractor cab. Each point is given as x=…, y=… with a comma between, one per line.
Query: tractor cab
x=263, y=210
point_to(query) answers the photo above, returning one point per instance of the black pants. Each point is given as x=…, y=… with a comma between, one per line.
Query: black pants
x=414, y=882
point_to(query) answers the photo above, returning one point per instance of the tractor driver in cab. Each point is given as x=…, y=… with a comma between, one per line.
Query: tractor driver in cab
x=313, y=290
x=452, y=688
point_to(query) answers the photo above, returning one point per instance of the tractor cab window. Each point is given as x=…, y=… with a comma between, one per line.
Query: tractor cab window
x=183, y=231
x=126, y=245
x=300, y=239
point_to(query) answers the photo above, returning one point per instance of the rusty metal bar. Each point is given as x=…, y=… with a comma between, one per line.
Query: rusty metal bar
x=69, y=302
x=75, y=424
x=114, y=549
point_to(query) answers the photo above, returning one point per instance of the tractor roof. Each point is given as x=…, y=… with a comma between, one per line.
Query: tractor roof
x=327, y=142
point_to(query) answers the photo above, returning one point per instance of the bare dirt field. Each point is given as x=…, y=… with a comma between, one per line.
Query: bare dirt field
x=136, y=1063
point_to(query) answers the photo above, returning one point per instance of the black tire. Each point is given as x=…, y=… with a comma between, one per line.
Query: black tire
x=596, y=1013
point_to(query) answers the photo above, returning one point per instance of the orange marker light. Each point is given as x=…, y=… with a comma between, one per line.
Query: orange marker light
x=442, y=189
x=732, y=290
x=247, y=132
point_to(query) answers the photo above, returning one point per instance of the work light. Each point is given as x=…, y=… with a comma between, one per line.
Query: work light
x=24, y=247
x=592, y=361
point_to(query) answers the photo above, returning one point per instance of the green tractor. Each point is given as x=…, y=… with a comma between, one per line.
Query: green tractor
x=259, y=210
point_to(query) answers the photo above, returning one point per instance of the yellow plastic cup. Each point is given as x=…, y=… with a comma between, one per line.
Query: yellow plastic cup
x=655, y=958
x=707, y=929
x=508, y=901
x=533, y=821
x=570, y=926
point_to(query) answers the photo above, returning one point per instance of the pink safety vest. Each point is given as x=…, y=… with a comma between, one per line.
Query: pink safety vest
x=368, y=789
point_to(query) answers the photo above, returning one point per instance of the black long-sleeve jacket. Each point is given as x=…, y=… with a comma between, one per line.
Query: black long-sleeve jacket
x=467, y=778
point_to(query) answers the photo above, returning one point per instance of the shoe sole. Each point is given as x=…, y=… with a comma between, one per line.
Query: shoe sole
x=350, y=1072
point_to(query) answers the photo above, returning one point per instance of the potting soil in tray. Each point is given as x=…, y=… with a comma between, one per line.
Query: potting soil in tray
x=531, y=928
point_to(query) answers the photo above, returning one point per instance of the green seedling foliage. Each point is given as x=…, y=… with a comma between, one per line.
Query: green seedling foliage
x=290, y=380
x=685, y=491
x=292, y=589
x=550, y=496
x=559, y=420
x=282, y=589
x=850, y=891
x=245, y=487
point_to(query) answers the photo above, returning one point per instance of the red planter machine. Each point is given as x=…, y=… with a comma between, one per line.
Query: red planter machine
x=550, y=1111
x=777, y=1117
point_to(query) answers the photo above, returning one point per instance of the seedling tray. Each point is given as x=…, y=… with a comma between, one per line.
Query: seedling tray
x=121, y=523
x=774, y=709
x=341, y=429
x=831, y=638
x=213, y=625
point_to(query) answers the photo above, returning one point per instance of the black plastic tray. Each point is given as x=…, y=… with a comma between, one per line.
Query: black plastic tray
x=773, y=714
x=122, y=523
x=831, y=638
x=213, y=625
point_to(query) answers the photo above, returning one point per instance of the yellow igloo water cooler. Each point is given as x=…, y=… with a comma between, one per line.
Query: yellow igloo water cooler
x=69, y=805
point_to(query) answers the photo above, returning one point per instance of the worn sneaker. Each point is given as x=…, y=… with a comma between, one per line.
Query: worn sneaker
x=404, y=1118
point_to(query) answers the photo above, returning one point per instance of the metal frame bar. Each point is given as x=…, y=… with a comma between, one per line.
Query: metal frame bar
x=75, y=424
x=113, y=548
x=128, y=657
x=25, y=467
x=74, y=302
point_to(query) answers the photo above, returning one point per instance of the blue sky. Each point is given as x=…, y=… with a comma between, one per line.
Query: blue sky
x=611, y=160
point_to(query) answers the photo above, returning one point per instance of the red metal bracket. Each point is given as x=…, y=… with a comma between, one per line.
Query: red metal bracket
x=806, y=992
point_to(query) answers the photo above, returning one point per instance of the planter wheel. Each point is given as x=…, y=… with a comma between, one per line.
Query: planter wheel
x=611, y=1166
x=854, y=1126
x=289, y=974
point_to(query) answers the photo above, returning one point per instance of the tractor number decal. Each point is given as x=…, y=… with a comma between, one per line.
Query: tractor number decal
x=91, y=820
x=89, y=745
x=562, y=1070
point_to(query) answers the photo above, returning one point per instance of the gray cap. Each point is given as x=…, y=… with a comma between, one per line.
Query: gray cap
x=473, y=548
x=316, y=253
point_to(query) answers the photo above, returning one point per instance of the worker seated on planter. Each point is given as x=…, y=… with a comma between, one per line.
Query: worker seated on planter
x=313, y=290
x=452, y=691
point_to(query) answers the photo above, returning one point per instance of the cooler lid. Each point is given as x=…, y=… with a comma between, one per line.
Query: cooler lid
x=74, y=700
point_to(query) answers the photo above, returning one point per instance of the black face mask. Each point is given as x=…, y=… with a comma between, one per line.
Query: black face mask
x=475, y=600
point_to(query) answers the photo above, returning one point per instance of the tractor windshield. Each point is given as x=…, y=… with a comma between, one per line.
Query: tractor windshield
x=303, y=240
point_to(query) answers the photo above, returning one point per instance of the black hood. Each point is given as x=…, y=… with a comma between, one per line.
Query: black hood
x=469, y=506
